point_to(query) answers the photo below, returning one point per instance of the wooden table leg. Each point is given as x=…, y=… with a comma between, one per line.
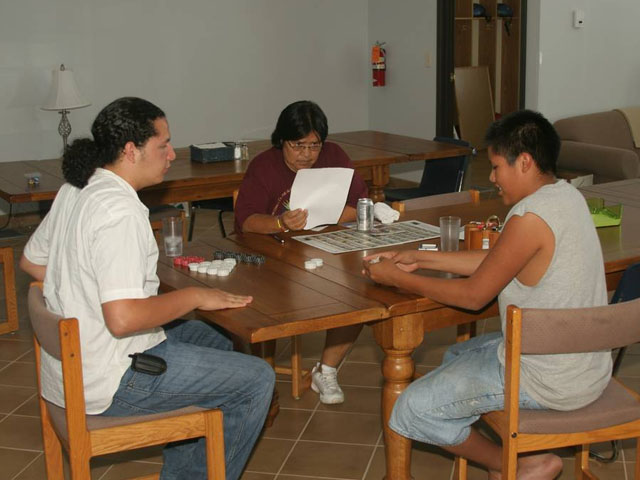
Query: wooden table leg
x=6, y=259
x=398, y=337
x=379, y=180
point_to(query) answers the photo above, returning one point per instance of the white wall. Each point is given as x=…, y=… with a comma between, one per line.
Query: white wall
x=221, y=69
x=407, y=104
x=593, y=68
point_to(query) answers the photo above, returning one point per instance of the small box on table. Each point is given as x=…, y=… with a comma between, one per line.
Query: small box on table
x=212, y=152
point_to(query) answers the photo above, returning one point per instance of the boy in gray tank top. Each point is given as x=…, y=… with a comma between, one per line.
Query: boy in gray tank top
x=548, y=256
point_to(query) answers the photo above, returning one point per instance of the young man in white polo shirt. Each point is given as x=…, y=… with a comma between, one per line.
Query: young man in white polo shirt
x=97, y=256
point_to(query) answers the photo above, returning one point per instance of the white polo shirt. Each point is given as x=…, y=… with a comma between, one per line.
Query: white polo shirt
x=98, y=246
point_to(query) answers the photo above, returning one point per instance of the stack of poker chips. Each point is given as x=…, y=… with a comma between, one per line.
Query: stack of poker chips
x=185, y=261
x=239, y=257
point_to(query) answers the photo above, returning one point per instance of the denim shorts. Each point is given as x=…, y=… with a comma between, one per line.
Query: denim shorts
x=440, y=407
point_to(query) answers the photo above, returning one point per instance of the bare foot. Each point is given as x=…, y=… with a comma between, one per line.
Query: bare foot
x=545, y=466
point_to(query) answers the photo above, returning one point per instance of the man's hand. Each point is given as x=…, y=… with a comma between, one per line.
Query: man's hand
x=131, y=315
x=215, y=299
x=294, y=219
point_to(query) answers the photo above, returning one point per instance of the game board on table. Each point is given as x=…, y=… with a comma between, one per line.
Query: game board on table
x=350, y=240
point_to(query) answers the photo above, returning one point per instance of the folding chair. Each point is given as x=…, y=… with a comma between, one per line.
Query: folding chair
x=441, y=175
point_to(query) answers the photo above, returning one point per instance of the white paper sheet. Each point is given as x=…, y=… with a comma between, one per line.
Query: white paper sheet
x=321, y=191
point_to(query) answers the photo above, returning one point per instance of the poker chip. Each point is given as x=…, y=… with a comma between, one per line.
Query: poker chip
x=318, y=261
x=310, y=265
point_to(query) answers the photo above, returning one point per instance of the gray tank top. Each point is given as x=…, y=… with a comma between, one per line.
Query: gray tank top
x=575, y=278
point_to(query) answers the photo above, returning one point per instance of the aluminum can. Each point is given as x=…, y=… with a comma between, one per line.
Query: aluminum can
x=364, y=215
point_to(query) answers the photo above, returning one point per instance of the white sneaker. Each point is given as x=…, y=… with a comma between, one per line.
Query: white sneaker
x=326, y=384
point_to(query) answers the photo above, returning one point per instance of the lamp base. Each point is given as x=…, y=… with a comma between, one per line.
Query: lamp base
x=64, y=128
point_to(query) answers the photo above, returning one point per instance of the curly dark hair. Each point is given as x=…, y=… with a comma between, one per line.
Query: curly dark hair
x=525, y=131
x=127, y=119
x=297, y=121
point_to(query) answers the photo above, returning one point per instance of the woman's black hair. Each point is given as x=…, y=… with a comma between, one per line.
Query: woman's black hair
x=297, y=121
x=127, y=119
x=525, y=131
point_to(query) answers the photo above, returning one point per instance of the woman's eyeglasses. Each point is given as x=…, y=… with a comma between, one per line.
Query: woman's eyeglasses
x=301, y=147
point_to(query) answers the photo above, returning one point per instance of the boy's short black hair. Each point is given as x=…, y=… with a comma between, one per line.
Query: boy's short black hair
x=525, y=131
x=297, y=121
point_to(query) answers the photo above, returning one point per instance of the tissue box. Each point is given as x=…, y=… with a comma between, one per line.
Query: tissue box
x=212, y=152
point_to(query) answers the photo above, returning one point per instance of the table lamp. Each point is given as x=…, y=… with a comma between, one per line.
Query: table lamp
x=64, y=96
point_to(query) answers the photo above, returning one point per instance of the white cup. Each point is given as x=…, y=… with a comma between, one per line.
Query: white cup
x=449, y=234
x=172, y=234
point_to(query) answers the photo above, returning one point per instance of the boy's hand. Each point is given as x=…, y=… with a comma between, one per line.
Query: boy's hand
x=407, y=260
x=381, y=271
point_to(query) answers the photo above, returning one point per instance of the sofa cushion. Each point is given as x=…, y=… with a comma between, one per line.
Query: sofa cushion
x=605, y=128
x=607, y=164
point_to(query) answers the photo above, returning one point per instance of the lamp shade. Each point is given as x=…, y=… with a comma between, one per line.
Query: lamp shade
x=64, y=93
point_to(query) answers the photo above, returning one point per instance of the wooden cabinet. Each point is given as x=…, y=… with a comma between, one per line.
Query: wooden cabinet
x=494, y=41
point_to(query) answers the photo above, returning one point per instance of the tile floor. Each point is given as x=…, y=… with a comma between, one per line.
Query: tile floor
x=307, y=441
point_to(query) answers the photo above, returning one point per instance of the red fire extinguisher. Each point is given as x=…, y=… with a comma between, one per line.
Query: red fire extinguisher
x=378, y=64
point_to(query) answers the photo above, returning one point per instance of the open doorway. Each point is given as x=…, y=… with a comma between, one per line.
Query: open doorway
x=478, y=33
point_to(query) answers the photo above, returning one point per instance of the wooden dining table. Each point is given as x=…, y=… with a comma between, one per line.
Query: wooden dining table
x=188, y=181
x=289, y=300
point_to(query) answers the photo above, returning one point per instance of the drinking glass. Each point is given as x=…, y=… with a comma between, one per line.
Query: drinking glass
x=172, y=234
x=449, y=234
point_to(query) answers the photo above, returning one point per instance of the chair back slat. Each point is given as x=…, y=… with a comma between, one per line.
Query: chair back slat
x=43, y=322
x=433, y=201
x=577, y=330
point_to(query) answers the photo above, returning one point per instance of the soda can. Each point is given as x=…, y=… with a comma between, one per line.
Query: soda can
x=364, y=215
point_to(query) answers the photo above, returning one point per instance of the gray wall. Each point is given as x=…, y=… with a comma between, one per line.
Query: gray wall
x=407, y=104
x=221, y=69
x=590, y=69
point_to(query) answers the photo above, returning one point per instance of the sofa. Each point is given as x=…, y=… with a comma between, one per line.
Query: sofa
x=599, y=143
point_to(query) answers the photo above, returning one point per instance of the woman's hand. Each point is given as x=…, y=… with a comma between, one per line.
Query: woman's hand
x=294, y=219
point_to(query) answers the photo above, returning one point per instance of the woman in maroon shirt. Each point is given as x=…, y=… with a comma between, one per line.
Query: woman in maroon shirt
x=298, y=142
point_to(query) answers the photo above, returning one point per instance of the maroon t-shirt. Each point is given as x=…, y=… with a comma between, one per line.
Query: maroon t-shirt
x=267, y=184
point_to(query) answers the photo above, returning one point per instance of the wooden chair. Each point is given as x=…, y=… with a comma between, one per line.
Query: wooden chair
x=6, y=258
x=156, y=214
x=300, y=378
x=86, y=436
x=226, y=204
x=432, y=201
x=614, y=416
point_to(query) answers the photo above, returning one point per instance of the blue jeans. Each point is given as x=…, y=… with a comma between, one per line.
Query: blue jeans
x=202, y=371
x=440, y=407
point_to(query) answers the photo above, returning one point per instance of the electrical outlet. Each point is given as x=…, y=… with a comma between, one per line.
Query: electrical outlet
x=427, y=59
